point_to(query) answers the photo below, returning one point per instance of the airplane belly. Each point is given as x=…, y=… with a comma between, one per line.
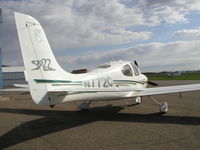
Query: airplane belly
x=95, y=96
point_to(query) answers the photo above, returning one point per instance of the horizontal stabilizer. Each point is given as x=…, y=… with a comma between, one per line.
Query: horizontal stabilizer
x=21, y=85
x=16, y=91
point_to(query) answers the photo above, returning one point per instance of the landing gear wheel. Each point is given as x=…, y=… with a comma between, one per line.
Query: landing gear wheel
x=138, y=100
x=84, y=106
x=163, y=107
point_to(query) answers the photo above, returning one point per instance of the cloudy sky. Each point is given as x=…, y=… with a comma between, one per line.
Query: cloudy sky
x=159, y=34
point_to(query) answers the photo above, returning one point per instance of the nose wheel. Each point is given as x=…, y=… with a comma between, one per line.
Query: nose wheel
x=162, y=105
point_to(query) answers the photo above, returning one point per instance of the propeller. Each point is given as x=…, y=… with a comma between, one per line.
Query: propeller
x=135, y=62
x=148, y=82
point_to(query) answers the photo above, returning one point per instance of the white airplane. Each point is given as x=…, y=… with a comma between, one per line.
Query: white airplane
x=49, y=84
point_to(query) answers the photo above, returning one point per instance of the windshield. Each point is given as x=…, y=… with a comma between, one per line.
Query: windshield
x=126, y=70
x=135, y=69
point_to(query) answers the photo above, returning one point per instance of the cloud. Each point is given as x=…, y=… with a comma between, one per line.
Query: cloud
x=88, y=23
x=179, y=55
x=190, y=34
x=73, y=24
x=81, y=23
x=168, y=11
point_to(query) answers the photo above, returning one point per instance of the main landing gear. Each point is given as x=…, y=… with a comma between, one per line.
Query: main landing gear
x=138, y=100
x=162, y=105
x=84, y=105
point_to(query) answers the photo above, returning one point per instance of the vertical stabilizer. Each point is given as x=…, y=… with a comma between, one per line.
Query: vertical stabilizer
x=40, y=63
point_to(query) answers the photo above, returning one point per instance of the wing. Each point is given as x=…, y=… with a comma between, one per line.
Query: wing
x=111, y=89
x=14, y=91
x=140, y=91
x=170, y=89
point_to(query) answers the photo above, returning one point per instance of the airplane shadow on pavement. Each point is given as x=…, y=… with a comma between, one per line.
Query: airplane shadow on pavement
x=54, y=121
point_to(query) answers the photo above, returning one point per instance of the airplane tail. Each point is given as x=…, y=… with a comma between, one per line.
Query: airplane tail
x=41, y=67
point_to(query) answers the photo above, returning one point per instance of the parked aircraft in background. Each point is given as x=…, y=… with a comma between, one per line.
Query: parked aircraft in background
x=49, y=84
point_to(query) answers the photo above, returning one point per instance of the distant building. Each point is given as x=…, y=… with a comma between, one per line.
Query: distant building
x=174, y=74
x=13, y=75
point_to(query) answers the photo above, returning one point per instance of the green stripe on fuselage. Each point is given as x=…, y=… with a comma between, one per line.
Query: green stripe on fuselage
x=55, y=81
x=68, y=84
x=127, y=82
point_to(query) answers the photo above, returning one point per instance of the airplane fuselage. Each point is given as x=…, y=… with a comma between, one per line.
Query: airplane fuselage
x=114, y=74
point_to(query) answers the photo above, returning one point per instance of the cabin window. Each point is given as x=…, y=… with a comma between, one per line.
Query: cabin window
x=126, y=70
x=135, y=69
